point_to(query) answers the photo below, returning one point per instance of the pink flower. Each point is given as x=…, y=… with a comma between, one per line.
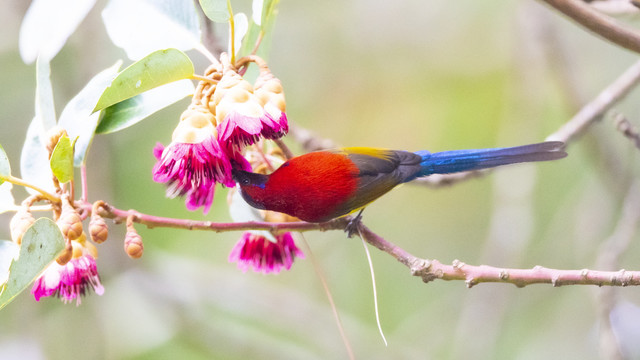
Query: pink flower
x=70, y=281
x=239, y=129
x=193, y=169
x=257, y=252
x=276, y=126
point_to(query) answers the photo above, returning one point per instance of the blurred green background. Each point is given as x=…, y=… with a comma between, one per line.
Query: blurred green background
x=408, y=74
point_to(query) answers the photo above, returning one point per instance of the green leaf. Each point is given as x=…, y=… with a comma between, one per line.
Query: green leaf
x=256, y=11
x=5, y=167
x=216, y=10
x=41, y=244
x=249, y=39
x=77, y=117
x=48, y=24
x=131, y=111
x=268, y=16
x=45, y=110
x=8, y=252
x=158, y=68
x=143, y=26
x=241, y=26
x=34, y=159
x=62, y=159
x=269, y=12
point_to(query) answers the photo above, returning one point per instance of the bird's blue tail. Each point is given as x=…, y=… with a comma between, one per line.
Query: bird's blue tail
x=464, y=160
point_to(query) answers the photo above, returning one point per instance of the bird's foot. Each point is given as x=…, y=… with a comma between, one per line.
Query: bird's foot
x=353, y=225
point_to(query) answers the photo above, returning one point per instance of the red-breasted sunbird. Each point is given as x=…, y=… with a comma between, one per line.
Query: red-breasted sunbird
x=323, y=185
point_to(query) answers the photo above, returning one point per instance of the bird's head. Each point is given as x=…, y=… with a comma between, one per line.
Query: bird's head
x=252, y=186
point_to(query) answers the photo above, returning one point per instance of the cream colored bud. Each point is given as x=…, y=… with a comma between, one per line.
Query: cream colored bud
x=98, y=229
x=230, y=80
x=19, y=224
x=249, y=106
x=268, y=89
x=66, y=255
x=69, y=222
x=133, y=244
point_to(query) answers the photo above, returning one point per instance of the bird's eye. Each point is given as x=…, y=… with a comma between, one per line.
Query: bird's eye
x=244, y=181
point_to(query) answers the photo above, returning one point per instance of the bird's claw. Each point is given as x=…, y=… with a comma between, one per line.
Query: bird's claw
x=353, y=226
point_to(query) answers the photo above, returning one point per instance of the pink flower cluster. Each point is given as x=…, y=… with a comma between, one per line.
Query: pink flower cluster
x=70, y=281
x=261, y=254
x=210, y=137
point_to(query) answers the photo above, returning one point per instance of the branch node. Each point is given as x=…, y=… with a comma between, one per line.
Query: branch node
x=555, y=281
x=457, y=264
x=470, y=282
x=584, y=273
x=504, y=274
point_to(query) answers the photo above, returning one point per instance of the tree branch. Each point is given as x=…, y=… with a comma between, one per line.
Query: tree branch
x=627, y=129
x=595, y=109
x=152, y=221
x=600, y=24
x=430, y=270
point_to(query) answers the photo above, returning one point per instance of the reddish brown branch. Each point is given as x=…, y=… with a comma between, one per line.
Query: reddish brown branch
x=152, y=221
x=599, y=23
x=594, y=110
x=430, y=270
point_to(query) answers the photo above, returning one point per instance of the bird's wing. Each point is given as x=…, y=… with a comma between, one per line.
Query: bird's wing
x=380, y=170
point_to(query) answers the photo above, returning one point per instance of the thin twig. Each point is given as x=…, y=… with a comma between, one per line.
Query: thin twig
x=285, y=149
x=152, y=221
x=203, y=78
x=17, y=181
x=595, y=109
x=627, y=129
x=430, y=270
x=83, y=182
x=599, y=23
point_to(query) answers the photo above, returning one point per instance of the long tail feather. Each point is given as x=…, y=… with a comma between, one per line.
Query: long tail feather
x=464, y=160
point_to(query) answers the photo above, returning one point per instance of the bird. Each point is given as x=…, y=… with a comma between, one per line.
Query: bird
x=323, y=185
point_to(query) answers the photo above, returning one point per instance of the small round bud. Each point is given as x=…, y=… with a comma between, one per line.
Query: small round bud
x=133, y=244
x=241, y=101
x=197, y=117
x=269, y=90
x=19, y=224
x=230, y=80
x=194, y=127
x=98, y=229
x=69, y=222
x=66, y=256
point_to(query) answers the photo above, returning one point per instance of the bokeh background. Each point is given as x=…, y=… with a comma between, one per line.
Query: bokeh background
x=408, y=74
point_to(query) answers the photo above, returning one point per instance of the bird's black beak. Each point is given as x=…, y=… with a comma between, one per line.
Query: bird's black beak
x=235, y=174
x=243, y=178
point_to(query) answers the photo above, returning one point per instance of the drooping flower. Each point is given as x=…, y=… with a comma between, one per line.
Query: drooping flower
x=239, y=114
x=263, y=255
x=194, y=161
x=268, y=89
x=72, y=280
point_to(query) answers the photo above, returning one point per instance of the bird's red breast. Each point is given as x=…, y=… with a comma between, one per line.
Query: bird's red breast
x=310, y=186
